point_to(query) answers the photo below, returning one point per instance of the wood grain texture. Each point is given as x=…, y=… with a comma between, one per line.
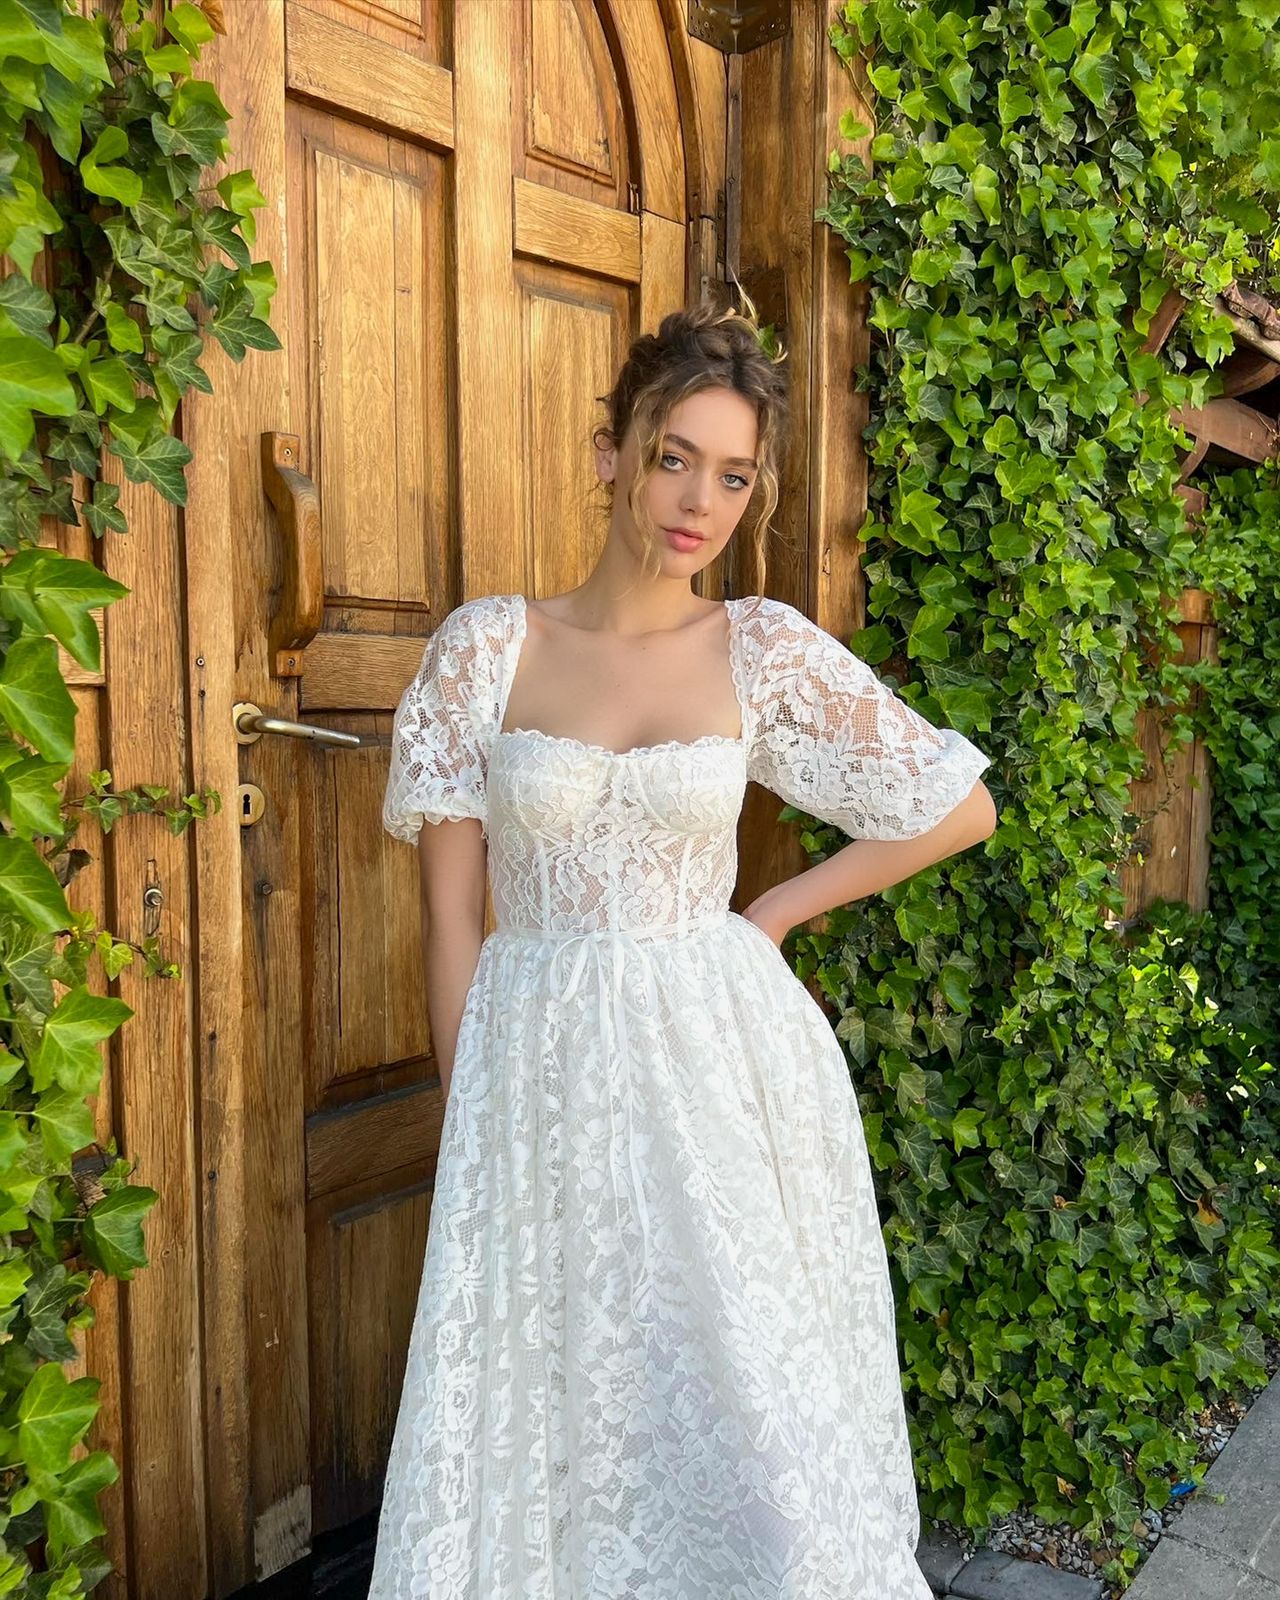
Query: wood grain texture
x=374, y=80
x=1171, y=797
x=487, y=332
x=701, y=81
x=647, y=85
x=575, y=233
x=230, y=568
x=153, y=1058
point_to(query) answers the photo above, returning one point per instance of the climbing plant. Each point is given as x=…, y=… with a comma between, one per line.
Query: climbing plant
x=1072, y=1119
x=1238, y=722
x=123, y=261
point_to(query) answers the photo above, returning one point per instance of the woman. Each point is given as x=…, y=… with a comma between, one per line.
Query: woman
x=654, y=1352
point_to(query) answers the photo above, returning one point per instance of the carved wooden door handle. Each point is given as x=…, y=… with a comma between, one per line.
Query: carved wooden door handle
x=300, y=611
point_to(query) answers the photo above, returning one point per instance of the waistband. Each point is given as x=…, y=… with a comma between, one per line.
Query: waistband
x=648, y=930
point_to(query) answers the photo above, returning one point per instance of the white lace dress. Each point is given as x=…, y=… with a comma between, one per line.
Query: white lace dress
x=654, y=1353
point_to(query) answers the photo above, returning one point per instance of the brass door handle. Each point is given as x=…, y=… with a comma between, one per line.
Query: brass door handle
x=251, y=722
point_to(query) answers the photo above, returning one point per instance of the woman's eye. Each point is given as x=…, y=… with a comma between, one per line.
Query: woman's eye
x=667, y=456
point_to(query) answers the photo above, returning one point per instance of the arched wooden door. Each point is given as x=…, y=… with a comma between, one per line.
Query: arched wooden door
x=473, y=207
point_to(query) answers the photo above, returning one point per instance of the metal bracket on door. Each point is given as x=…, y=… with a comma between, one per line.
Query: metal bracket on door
x=298, y=617
x=735, y=26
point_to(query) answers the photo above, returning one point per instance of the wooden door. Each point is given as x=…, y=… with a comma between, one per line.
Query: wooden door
x=473, y=208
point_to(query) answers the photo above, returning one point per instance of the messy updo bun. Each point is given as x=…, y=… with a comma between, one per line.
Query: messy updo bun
x=701, y=346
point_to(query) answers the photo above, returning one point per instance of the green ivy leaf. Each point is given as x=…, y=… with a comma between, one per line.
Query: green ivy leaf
x=68, y=1052
x=167, y=59
x=109, y=383
x=113, y=1235
x=34, y=700
x=53, y=1415
x=216, y=225
x=241, y=194
x=64, y=591
x=65, y=1122
x=196, y=124
x=259, y=280
x=31, y=379
x=159, y=462
x=965, y=1126
x=189, y=26
x=73, y=1516
x=236, y=328
x=123, y=332
x=25, y=308
x=28, y=889
x=986, y=192
x=46, y=1303
x=112, y=183
x=30, y=798
x=101, y=513
x=928, y=637
x=873, y=644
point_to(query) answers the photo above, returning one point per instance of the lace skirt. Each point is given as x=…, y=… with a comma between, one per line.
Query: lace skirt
x=653, y=1355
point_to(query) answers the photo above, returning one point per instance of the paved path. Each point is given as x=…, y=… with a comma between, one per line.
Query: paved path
x=1228, y=1549
x=1223, y=1545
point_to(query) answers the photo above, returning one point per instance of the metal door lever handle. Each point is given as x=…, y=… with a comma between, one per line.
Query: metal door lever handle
x=251, y=722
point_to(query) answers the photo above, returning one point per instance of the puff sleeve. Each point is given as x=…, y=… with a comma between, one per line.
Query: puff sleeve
x=442, y=729
x=833, y=740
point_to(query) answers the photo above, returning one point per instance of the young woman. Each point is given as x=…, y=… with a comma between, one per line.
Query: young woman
x=654, y=1353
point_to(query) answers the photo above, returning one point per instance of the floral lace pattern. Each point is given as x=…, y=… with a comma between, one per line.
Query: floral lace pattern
x=653, y=1355
x=830, y=737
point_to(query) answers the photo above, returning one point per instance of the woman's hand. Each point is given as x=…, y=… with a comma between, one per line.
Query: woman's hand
x=766, y=918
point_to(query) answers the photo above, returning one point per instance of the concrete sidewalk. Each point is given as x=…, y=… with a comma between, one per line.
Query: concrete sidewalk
x=1228, y=1550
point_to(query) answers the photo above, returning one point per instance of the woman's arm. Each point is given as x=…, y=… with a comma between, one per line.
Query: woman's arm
x=866, y=866
x=452, y=862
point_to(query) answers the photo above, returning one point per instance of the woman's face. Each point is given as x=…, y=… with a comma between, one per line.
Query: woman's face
x=702, y=482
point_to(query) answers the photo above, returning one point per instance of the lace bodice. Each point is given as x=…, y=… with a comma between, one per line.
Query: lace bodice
x=583, y=838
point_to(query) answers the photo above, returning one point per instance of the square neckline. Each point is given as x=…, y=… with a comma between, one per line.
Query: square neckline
x=703, y=740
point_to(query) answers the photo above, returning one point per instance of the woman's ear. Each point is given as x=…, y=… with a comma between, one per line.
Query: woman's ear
x=606, y=455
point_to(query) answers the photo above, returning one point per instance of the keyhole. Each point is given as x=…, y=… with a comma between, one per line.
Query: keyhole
x=252, y=804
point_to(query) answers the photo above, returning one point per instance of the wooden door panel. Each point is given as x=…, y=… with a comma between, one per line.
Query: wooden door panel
x=369, y=221
x=569, y=337
x=356, y=1144
x=365, y=671
x=575, y=232
x=377, y=1007
x=374, y=1237
x=572, y=126
x=392, y=76
x=371, y=403
x=364, y=1031
x=382, y=41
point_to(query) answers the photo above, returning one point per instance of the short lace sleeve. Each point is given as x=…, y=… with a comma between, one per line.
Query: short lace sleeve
x=829, y=737
x=444, y=724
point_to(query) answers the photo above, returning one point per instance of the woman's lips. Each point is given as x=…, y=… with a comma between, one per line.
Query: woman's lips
x=682, y=541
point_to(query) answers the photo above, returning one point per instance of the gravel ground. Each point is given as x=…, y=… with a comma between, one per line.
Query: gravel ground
x=1030, y=1537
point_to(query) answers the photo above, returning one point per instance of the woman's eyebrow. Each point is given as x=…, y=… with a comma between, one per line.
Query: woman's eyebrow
x=727, y=461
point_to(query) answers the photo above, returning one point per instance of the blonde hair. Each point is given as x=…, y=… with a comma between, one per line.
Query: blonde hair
x=701, y=346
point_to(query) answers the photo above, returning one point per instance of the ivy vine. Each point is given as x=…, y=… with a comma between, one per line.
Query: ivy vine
x=125, y=265
x=1073, y=1120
